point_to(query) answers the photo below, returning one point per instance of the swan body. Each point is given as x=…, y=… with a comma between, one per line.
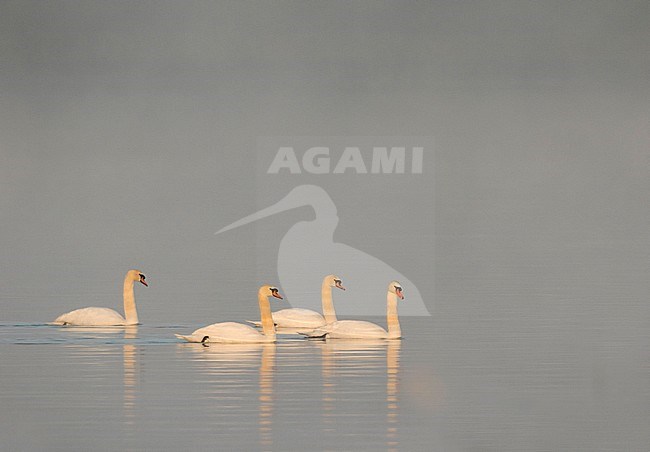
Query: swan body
x=107, y=317
x=307, y=318
x=360, y=329
x=298, y=317
x=227, y=332
x=91, y=317
x=350, y=329
x=238, y=333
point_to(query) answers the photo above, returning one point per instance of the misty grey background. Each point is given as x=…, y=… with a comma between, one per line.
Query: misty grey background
x=128, y=136
x=375, y=217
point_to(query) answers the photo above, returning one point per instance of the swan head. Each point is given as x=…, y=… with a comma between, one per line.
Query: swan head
x=137, y=275
x=334, y=281
x=270, y=291
x=396, y=288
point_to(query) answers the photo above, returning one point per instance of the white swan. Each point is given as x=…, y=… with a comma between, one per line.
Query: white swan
x=359, y=329
x=306, y=318
x=105, y=316
x=239, y=333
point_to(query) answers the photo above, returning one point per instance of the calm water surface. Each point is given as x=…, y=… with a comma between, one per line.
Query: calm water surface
x=138, y=388
x=464, y=383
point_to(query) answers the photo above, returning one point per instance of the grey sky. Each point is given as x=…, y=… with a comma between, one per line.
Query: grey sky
x=128, y=135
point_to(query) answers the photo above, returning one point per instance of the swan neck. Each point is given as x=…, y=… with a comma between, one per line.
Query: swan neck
x=328, y=306
x=394, y=330
x=268, y=327
x=130, y=312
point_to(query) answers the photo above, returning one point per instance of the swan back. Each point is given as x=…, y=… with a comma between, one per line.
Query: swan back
x=91, y=317
x=298, y=317
x=349, y=329
x=229, y=332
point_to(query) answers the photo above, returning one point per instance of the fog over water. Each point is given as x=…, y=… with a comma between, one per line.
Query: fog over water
x=131, y=132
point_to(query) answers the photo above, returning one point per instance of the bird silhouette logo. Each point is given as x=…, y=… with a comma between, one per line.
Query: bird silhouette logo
x=308, y=251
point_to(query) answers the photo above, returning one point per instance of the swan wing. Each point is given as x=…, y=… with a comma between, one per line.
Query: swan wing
x=189, y=338
x=90, y=317
x=349, y=329
x=227, y=332
x=298, y=317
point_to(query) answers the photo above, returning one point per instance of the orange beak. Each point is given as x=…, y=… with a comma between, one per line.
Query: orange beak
x=399, y=294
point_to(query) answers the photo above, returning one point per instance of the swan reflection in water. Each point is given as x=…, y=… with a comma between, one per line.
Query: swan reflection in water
x=360, y=358
x=354, y=374
x=131, y=373
x=103, y=336
x=235, y=361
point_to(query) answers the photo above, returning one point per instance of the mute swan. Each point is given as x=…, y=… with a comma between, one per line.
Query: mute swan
x=105, y=316
x=301, y=318
x=239, y=333
x=359, y=329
